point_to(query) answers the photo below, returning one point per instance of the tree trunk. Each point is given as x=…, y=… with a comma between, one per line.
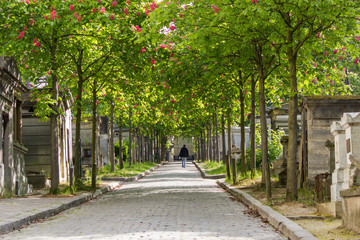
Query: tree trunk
x=111, y=138
x=264, y=136
x=210, y=141
x=130, y=139
x=213, y=139
x=54, y=154
x=223, y=139
x=217, y=153
x=151, y=150
x=98, y=152
x=198, y=149
x=291, y=180
x=93, y=139
x=231, y=160
x=204, y=145
x=252, y=127
x=121, y=151
x=242, y=125
x=54, y=131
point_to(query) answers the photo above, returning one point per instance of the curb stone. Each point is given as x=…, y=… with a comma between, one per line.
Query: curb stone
x=18, y=223
x=131, y=179
x=205, y=175
x=287, y=227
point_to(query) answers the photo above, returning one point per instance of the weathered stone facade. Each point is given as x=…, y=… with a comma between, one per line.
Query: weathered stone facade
x=12, y=163
x=102, y=153
x=318, y=113
x=280, y=117
x=36, y=135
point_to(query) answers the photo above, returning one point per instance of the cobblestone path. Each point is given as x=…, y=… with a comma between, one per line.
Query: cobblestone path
x=170, y=203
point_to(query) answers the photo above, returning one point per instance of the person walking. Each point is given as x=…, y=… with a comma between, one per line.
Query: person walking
x=184, y=154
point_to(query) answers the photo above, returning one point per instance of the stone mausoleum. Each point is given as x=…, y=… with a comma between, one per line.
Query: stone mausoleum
x=12, y=162
x=318, y=114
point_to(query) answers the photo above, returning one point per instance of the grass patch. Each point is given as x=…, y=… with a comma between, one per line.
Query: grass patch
x=65, y=190
x=213, y=167
x=127, y=171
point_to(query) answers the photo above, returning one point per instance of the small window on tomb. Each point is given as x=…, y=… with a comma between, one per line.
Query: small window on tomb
x=104, y=125
x=17, y=121
x=87, y=152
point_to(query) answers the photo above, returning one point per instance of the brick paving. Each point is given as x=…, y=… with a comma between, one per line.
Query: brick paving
x=171, y=203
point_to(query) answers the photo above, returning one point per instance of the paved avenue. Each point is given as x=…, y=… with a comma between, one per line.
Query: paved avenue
x=171, y=203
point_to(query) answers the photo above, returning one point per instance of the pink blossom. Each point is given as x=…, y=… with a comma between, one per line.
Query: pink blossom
x=112, y=17
x=46, y=18
x=38, y=44
x=21, y=35
x=128, y=2
x=357, y=60
x=79, y=18
x=152, y=61
x=31, y=21
x=254, y=1
x=147, y=12
x=97, y=101
x=335, y=51
x=53, y=15
x=135, y=105
x=126, y=11
x=340, y=58
x=172, y=54
x=35, y=40
x=138, y=14
x=152, y=8
x=27, y=1
x=114, y=3
x=138, y=29
x=215, y=8
x=94, y=10
x=71, y=7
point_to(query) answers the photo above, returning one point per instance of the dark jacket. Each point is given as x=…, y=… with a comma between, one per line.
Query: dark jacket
x=184, y=152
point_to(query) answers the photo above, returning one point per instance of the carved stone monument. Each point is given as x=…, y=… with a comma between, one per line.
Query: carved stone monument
x=350, y=122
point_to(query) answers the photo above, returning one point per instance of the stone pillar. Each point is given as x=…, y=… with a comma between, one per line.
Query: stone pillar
x=350, y=122
x=338, y=180
x=8, y=153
